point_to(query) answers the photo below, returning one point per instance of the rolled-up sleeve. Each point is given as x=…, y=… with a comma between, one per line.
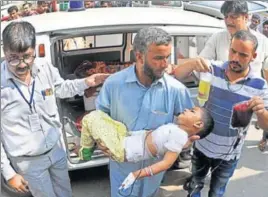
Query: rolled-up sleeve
x=209, y=51
x=66, y=88
x=103, y=101
x=6, y=169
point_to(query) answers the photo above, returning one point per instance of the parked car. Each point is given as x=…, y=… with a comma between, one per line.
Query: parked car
x=105, y=39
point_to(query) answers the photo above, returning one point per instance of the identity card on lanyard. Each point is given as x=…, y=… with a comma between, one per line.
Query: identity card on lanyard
x=34, y=117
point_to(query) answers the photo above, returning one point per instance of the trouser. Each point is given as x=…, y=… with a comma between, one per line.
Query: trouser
x=219, y=177
x=265, y=135
x=47, y=175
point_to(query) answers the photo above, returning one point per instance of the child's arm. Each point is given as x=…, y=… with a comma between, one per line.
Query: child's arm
x=166, y=163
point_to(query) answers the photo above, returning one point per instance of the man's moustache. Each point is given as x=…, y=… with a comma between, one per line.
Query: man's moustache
x=24, y=68
x=235, y=62
x=231, y=26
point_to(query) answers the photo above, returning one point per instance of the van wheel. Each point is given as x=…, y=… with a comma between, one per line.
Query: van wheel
x=11, y=191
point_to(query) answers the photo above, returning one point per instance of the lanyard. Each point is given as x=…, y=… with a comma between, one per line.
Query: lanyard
x=31, y=97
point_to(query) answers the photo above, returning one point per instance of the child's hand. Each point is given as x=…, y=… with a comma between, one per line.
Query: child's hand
x=128, y=181
x=104, y=149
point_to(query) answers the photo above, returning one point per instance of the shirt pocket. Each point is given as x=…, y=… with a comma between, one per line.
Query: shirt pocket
x=47, y=103
x=50, y=105
x=158, y=118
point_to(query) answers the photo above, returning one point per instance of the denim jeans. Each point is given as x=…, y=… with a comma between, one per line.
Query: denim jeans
x=219, y=177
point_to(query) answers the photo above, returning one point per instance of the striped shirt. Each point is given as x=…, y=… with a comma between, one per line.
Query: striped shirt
x=223, y=95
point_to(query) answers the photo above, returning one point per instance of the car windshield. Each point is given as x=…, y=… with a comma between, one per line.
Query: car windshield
x=168, y=3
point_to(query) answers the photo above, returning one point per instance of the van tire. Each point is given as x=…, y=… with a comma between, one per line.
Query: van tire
x=11, y=191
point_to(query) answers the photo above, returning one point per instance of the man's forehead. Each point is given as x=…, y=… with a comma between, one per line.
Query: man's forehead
x=14, y=53
x=242, y=46
x=159, y=47
x=232, y=13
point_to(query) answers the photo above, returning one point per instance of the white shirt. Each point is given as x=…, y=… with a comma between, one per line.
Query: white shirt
x=217, y=48
x=169, y=137
x=18, y=137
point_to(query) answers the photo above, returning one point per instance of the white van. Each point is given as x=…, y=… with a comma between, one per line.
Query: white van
x=105, y=37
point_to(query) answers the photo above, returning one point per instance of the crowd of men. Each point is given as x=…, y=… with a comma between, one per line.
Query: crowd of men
x=258, y=24
x=42, y=7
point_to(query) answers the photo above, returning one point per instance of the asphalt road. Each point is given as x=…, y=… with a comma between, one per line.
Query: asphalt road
x=250, y=178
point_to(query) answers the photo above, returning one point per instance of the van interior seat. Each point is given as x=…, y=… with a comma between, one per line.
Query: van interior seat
x=87, y=68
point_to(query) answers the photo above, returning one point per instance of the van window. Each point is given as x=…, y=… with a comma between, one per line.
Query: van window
x=188, y=47
x=132, y=37
x=88, y=42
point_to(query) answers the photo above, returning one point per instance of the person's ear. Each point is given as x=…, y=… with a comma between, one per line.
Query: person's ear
x=198, y=125
x=246, y=17
x=139, y=57
x=254, y=56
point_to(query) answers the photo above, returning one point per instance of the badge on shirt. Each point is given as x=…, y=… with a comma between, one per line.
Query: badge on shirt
x=47, y=92
x=34, y=122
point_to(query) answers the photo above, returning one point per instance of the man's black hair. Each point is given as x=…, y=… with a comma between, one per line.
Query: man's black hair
x=12, y=8
x=103, y=2
x=27, y=3
x=19, y=37
x=236, y=7
x=40, y=2
x=265, y=23
x=257, y=17
x=208, y=124
x=245, y=35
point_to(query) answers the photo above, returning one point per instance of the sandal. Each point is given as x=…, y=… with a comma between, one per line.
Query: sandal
x=262, y=144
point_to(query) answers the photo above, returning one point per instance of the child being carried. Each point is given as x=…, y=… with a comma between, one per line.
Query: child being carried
x=167, y=141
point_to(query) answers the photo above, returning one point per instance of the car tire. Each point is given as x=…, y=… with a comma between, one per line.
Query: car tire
x=12, y=192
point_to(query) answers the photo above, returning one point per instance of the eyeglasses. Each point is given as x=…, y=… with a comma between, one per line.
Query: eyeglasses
x=27, y=59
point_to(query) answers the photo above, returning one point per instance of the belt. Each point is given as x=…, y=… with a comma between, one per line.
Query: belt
x=37, y=155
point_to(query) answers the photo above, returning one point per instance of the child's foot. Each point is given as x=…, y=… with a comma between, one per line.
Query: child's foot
x=86, y=153
x=262, y=144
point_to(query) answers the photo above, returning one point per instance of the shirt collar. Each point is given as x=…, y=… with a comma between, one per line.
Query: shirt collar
x=230, y=37
x=8, y=74
x=132, y=77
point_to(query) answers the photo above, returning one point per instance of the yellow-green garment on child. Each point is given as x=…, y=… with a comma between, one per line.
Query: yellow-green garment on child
x=97, y=126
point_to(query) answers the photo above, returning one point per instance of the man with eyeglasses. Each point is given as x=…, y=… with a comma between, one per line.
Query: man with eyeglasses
x=32, y=157
x=233, y=82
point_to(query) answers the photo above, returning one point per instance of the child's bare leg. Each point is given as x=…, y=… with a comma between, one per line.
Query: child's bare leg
x=86, y=142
